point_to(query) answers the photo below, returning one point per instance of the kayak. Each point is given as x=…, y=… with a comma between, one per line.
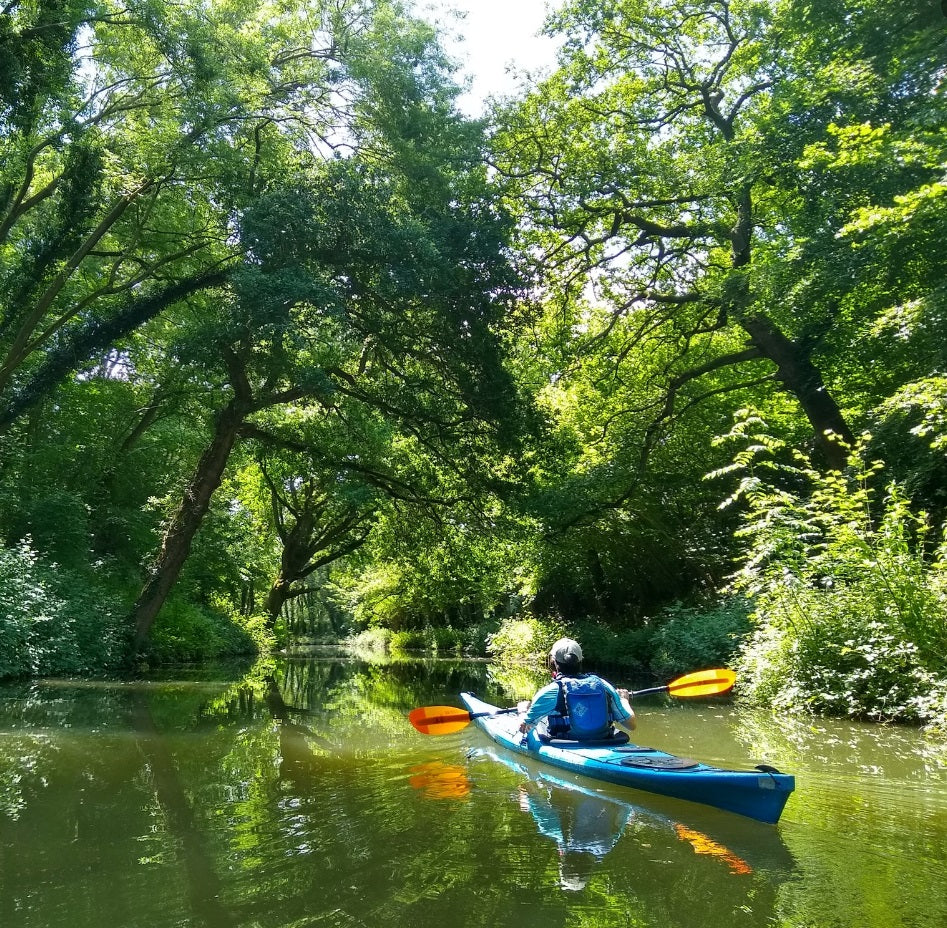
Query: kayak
x=759, y=794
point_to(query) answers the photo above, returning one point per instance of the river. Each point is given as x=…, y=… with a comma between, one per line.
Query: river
x=298, y=795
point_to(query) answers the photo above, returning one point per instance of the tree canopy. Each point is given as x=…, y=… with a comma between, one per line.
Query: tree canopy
x=281, y=330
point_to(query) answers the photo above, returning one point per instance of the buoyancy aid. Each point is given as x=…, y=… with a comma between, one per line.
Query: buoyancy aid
x=582, y=711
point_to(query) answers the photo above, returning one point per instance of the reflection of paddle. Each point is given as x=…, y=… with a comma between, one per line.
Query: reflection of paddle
x=443, y=720
x=437, y=780
x=704, y=845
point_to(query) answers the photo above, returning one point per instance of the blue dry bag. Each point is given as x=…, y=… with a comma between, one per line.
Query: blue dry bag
x=586, y=716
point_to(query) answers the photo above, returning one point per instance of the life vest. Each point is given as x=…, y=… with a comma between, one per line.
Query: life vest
x=582, y=711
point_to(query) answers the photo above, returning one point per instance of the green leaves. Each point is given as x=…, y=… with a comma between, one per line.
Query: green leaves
x=849, y=599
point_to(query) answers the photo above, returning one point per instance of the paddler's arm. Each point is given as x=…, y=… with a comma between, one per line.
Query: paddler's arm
x=629, y=723
x=544, y=702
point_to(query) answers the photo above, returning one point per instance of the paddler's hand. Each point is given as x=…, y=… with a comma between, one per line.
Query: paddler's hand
x=522, y=706
x=625, y=694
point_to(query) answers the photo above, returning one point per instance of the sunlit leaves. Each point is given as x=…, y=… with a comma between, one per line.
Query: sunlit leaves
x=850, y=600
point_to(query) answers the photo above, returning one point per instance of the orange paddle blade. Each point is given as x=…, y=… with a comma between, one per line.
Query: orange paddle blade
x=438, y=720
x=703, y=683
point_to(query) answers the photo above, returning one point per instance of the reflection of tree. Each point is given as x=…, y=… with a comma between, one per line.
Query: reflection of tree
x=203, y=884
x=221, y=808
x=224, y=806
x=795, y=742
x=518, y=681
x=105, y=826
x=298, y=763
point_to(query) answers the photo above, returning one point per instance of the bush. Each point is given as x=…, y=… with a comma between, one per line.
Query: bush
x=51, y=621
x=185, y=632
x=474, y=637
x=603, y=645
x=850, y=605
x=529, y=638
x=687, y=638
x=371, y=641
x=524, y=638
x=408, y=640
x=839, y=662
x=443, y=639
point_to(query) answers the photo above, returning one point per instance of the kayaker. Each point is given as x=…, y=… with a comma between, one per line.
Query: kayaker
x=576, y=705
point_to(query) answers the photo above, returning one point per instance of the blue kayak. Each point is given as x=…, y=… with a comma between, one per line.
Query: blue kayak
x=760, y=794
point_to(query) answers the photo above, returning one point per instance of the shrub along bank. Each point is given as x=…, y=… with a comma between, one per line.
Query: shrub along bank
x=848, y=583
x=55, y=621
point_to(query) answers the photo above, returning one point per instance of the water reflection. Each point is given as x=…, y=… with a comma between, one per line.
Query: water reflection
x=298, y=762
x=702, y=844
x=203, y=884
x=437, y=780
x=586, y=823
x=583, y=826
x=298, y=794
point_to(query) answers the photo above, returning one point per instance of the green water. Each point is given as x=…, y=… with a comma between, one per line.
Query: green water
x=307, y=799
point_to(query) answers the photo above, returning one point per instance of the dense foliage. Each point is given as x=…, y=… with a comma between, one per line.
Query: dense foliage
x=290, y=349
x=849, y=589
x=239, y=271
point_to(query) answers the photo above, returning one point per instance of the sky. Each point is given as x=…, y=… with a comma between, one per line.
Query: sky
x=495, y=34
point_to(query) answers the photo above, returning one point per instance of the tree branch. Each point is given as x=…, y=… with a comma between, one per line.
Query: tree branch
x=98, y=335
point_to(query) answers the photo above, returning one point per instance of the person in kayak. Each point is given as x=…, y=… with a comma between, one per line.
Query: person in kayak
x=579, y=706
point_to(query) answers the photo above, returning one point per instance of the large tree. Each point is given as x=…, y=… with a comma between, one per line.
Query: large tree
x=710, y=195
x=661, y=182
x=241, y=216
x=376, y=280
x=131, y=135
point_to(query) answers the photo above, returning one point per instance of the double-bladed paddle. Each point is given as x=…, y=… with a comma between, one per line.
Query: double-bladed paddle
x=443, y=720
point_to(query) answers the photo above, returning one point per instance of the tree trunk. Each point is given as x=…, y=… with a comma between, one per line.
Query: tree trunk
x=176, y=543
x=793, y=364
x=804, y=380
x=276, y=598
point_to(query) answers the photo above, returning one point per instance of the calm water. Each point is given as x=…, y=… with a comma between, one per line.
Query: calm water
x=303, y=798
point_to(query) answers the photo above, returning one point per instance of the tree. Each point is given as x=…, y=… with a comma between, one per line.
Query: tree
x=867, y=209
x=130, y=139
x=655, y=172
x=376, y=279
x=320, y=510
x=284, y=204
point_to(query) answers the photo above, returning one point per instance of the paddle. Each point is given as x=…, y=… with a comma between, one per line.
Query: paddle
x=443, y=720
x=701, y=683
